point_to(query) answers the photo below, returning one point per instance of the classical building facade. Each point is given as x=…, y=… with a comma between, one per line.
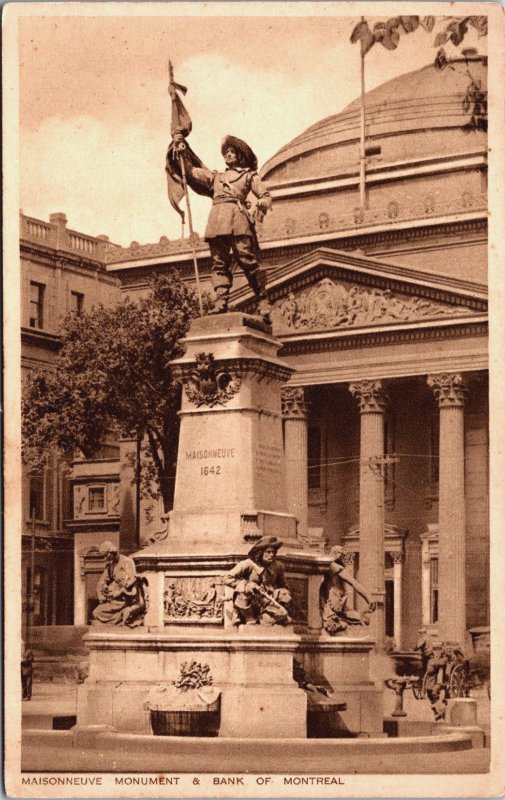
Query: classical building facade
x=62, y=272
x=382, y=312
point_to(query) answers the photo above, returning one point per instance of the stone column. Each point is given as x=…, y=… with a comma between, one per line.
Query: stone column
x=294, y=412
x=372, y=401
x=450, y=392
x=397, y=597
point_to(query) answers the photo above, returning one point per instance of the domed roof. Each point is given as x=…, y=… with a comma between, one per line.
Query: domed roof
x=423, y=100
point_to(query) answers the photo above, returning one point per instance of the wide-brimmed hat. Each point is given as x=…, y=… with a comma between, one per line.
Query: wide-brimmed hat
x=263, y=544
x=241, y=147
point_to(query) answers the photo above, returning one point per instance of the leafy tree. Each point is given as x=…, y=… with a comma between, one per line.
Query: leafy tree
x=112, y=377
x=454, y=31
x=388, y=33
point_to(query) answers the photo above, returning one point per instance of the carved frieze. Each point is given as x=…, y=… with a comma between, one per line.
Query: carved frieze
x=193, y=599
x=334, y=305
x=209, y=383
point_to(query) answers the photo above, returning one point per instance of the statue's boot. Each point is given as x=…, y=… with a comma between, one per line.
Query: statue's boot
x=258, y=283
x=220, y=305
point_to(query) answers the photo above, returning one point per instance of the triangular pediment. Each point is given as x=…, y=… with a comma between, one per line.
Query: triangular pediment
x=329, y=290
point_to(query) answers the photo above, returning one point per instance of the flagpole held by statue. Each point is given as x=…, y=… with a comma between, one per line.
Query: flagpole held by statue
x=181, y=121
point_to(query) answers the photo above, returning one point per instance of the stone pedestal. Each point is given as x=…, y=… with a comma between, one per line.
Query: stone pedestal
x=261, y=699
x=461, y=715
x=345, y=665
x=251, y=666
x=461, y=711
x=231, y=483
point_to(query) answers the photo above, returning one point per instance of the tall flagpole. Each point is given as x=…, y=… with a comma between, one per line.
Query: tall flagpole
x=362, y=158
x=178, y=110
x=180, y=148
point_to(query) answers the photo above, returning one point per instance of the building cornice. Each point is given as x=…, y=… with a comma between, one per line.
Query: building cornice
x=426, y=247
x=94, y=525
x=40, y=338
x=97, y=477
x=381, y=334
x=416, y=226
x=383, y=232
x=67, y=261
x=379, y=173
x=353, y=239
x=54, y=542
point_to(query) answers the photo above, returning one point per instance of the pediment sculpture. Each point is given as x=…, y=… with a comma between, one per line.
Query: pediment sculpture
x=334, y=305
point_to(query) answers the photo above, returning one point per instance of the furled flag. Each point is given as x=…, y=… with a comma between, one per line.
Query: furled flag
x=181, y=123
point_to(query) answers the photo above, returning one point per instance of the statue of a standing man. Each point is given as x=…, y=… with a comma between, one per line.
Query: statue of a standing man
x=230, y=229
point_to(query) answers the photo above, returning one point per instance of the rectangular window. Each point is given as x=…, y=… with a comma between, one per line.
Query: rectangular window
x=96, y=498
x=373, y=151
x=314, y=457
x=36, y=304
x=76, y=303
x=36, y=497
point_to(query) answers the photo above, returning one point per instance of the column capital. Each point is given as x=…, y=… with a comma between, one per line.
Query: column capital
x=449, y=389
x=371, y=396
x=396, y=557
x=293, y=401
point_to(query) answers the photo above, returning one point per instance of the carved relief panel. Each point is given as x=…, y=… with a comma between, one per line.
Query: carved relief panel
x=328, y=304
x=191, y=599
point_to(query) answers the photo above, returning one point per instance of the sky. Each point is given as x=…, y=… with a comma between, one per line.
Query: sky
x=95, y=112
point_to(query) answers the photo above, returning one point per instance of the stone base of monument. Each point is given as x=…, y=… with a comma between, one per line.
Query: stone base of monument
x=461, y=715
x=252, y=666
